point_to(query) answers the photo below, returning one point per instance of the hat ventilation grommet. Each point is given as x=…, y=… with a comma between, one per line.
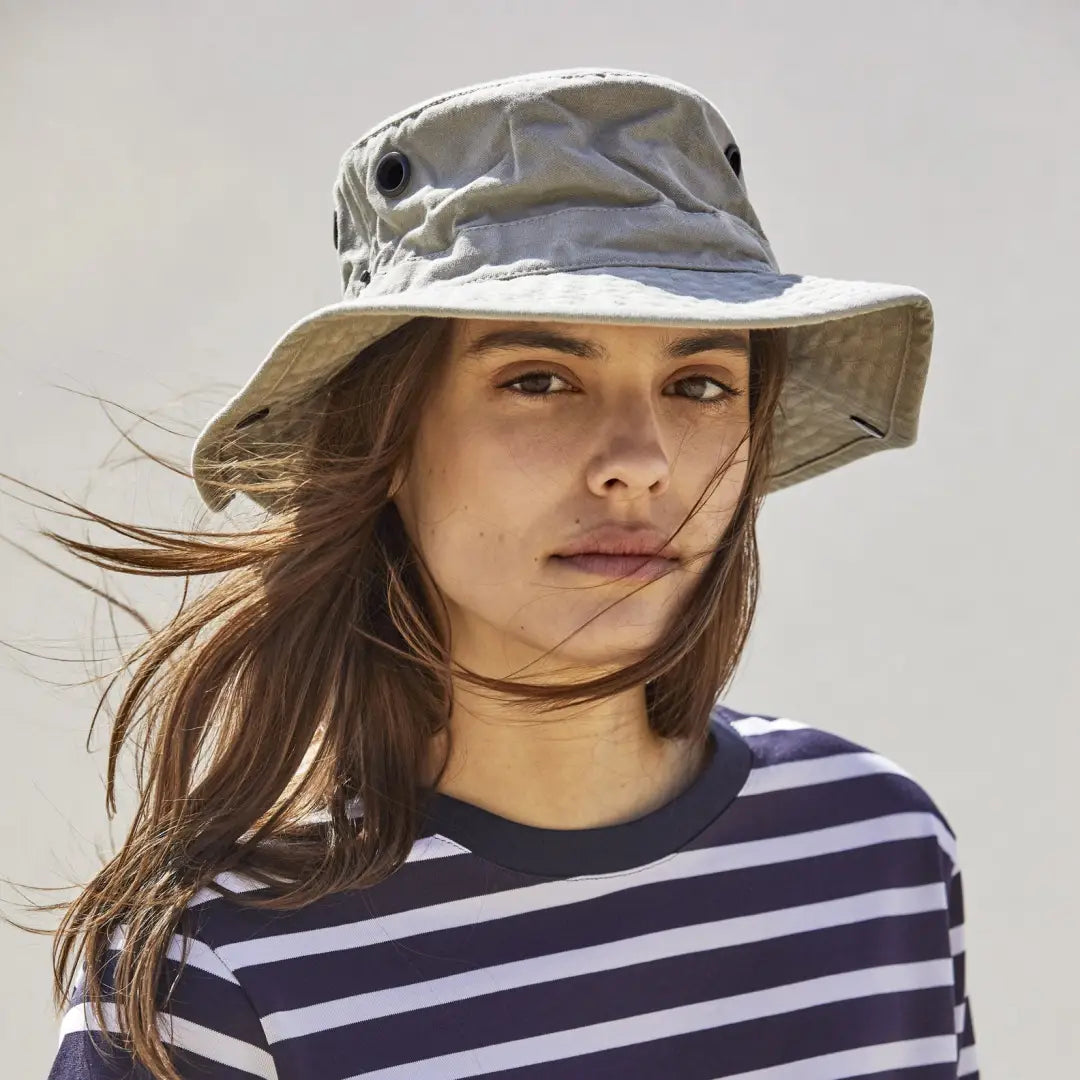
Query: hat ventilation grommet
x=734, y=158
x=869, y=428
x=392, y=173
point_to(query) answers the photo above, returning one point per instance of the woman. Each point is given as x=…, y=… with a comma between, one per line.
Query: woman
x=440, y=784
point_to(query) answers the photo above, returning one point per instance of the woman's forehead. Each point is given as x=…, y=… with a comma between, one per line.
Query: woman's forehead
x=589, y=339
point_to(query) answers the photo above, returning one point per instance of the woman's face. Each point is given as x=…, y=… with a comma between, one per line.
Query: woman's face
x=547, y=431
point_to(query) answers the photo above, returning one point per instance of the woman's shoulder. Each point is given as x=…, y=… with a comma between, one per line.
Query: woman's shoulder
x=788, y=752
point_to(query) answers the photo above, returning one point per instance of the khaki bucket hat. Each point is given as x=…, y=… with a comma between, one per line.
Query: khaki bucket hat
x=580, y=195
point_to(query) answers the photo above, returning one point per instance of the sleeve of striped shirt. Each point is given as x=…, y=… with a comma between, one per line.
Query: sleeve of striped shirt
x=967, y=1066
x=211, y=1029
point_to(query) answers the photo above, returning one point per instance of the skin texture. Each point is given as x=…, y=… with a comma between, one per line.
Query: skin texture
x=500, y=481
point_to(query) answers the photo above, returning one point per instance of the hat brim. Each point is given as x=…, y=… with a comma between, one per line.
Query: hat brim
x=859, y=352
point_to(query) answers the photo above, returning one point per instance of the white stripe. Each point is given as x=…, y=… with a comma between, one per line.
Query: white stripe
x=787, y=775
x=610, y=956
x=760, y=725
x=833, y=767
x=823, y=770
x=685, y=1019
x=199, y=955
x=967, y=1064
x=434, y=847
x=956, y=939
x=471, y=910
x=215, y=1045
x=231, y=880
x=425, y=848
x=863, y=1061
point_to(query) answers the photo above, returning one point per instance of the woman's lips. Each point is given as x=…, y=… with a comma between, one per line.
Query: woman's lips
x=632, y=567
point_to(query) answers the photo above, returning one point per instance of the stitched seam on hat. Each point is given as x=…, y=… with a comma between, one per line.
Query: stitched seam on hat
x=517, y=272
x=603, y=209
x=738, y=269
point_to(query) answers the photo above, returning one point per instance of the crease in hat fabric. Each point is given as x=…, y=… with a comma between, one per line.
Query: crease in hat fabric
x=581, y=195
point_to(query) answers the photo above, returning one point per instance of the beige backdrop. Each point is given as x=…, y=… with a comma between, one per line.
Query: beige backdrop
x=166, y=214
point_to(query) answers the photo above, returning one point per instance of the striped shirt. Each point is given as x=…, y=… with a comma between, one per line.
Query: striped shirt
x=795, y=914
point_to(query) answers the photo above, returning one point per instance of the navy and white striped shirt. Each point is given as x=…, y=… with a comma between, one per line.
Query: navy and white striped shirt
x=795, y=914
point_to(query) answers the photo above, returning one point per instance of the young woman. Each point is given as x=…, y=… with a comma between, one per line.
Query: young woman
x=439, y=779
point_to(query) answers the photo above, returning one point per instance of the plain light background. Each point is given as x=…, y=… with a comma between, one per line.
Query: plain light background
x=166, y=215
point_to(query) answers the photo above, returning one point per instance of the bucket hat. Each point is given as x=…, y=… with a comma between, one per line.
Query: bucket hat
x=580, y=195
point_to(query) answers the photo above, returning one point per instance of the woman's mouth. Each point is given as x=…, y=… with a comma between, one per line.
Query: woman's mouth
x=631, y=567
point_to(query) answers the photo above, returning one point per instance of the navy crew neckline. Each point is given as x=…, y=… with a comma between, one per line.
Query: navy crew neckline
x=607, y=848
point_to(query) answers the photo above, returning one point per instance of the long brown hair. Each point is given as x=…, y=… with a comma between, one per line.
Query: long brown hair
x=311, y=677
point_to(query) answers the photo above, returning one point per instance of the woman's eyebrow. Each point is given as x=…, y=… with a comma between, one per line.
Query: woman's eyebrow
x=589, y=350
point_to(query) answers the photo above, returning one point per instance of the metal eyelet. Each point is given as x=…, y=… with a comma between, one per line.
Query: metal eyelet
x=731, y=152
x=392, y=173
x=869, y=428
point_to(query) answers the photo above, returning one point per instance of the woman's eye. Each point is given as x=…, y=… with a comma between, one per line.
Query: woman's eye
x=724, y=391
x=533, y=377
x=538, y=378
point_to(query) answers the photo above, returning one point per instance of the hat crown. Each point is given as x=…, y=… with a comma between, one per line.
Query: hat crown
x=584, y=167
